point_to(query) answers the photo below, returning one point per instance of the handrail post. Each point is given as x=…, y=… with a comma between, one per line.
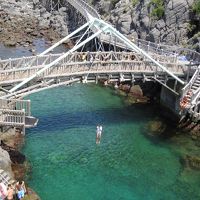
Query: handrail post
x=23, y=110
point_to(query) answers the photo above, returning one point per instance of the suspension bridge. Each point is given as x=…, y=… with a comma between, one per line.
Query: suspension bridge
x=100, y=52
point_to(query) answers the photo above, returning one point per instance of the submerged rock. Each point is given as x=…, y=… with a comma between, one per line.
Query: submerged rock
x=125, y=87
x=156, y=127
x=192, y=162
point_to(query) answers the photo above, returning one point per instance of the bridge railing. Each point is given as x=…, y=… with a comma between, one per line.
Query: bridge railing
x=32, y=61
x=195, y=97
x=27, y=61
x=96, y=61
x=162, y=49
x=98, y=66
x=16, y=104
x=194, y=110
x=82, y=7
x=191, y=82
x=12, y=117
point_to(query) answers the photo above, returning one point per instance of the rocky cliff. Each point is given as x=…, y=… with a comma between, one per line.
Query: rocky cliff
x=21, y=21
x=166, y=21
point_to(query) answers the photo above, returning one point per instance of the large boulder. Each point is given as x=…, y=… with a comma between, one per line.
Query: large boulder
x=155, y=128
x=5, y=162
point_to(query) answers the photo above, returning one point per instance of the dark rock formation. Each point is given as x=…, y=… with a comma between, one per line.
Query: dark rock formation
x=15, y=155
x=156, y=128
x=192, y=162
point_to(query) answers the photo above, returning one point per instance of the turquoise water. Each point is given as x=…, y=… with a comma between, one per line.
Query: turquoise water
x=126, y=165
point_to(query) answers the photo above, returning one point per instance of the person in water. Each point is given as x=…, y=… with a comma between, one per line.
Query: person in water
x=98, y=134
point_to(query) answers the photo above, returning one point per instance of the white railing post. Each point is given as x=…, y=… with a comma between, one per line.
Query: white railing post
x=23, y=110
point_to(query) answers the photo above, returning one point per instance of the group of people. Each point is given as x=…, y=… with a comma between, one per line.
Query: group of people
x=12, y=192
x=98, y=133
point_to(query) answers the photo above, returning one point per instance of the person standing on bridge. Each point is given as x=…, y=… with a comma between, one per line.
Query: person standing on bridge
x=83, y=57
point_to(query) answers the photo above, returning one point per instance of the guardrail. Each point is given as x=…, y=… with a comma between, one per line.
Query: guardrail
x=32, y=61
x=192, y=80
x=95, y=61
x=12, y=117
x=162, y=49
x=195, y=110
x=16, y=104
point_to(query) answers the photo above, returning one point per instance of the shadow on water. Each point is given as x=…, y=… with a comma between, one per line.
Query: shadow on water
x=69, y=120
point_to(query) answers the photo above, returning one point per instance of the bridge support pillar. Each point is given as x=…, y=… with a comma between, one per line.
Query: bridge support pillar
x=170, y=100
x=84, y=79
x=96, y=79
x=121, y=79
x=132, y=79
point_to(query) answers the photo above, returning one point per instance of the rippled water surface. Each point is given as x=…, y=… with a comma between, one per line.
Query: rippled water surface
x=127, y=165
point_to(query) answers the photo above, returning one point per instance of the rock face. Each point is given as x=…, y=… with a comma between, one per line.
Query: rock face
x=5, y=162
x=140, y=20
x=134, y=94
x=15, y=156
x=21, y=21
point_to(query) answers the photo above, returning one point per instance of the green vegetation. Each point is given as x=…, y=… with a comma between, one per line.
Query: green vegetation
x=135, y=2
x=158, y=10
x=191, y=27
x=113, y=2
x=196, y=7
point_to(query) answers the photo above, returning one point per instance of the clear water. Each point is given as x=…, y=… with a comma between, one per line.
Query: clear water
x=127, y=165
x=16, y=52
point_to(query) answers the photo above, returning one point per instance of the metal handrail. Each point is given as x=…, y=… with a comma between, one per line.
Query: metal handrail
x=12, y=117
x=192, y=80
x=195, y=97
x=16, y=104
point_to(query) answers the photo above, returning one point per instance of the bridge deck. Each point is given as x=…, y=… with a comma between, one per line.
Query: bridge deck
x=30, y=121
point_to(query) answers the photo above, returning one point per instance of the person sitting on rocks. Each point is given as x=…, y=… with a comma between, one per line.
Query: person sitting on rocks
x=10, y=192
x=3, y=191
x=20, y=189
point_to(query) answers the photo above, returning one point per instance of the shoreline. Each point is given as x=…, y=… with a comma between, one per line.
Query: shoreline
x=12, y=141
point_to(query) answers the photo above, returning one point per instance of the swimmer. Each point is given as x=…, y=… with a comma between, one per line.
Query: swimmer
x=98, y=134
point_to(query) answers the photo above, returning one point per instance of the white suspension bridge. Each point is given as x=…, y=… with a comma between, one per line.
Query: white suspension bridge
x=123, y=60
